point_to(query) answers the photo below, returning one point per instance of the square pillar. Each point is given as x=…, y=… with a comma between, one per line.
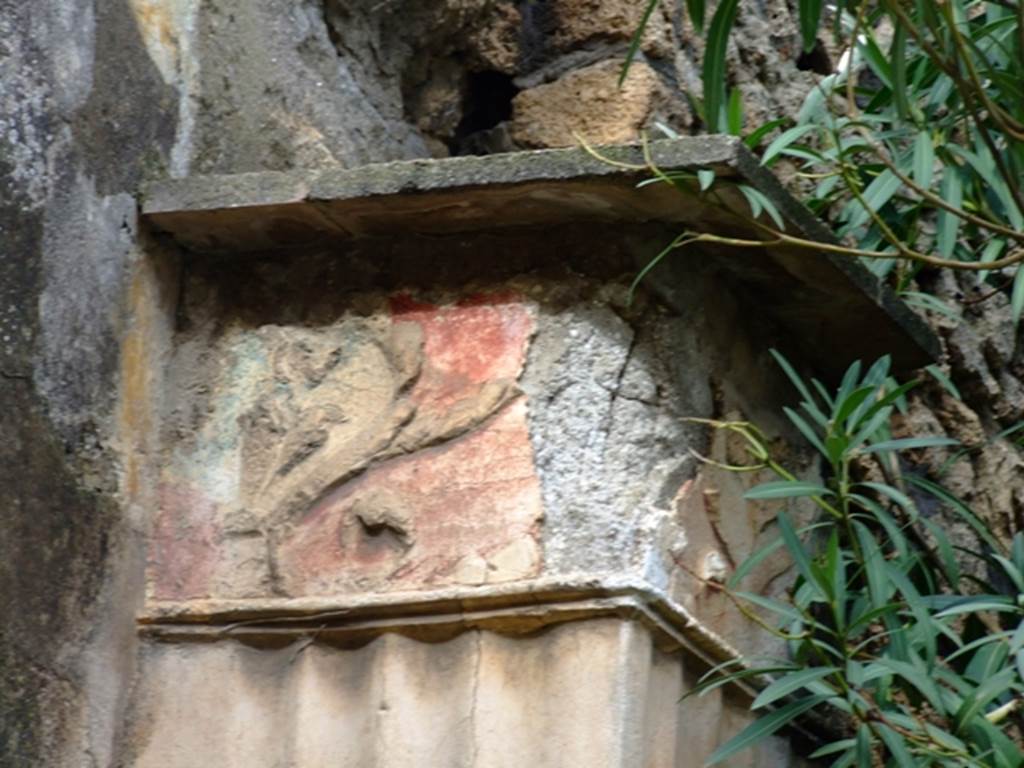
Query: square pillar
x=428, y=494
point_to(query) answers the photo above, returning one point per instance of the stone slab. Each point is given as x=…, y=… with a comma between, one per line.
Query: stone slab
x=832, y=302
x=521, y=607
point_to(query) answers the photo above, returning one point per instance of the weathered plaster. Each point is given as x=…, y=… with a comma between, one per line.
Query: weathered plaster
x=169, y=30
x=75, y=136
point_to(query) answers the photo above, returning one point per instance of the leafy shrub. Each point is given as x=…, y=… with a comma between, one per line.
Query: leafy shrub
x=922, y=658
x=914, y=148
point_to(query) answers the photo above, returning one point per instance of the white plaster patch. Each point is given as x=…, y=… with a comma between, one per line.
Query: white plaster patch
x=169, y=31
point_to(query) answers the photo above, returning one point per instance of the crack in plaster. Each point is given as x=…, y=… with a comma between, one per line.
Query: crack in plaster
x=475, y=699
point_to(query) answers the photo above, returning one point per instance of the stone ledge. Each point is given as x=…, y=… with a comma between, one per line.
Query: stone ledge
x=511, y=608
x=829, y=301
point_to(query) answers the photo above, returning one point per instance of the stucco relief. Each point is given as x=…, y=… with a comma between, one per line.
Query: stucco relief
x=381, y=452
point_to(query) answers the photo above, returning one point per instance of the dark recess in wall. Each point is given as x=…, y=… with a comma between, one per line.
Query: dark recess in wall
x=487, y=104
x=815, y=60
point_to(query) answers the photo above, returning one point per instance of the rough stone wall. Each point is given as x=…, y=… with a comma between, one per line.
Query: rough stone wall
x=97, y=95
x=279, y=84
x=985, y=361
x=76, y=136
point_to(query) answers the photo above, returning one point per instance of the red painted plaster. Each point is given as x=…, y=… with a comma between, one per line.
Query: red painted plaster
x=481, y=339
x=183, y=548
x=470, y=498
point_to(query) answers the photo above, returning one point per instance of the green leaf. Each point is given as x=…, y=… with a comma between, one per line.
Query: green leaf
x=879, y=587
x=852, y=402
x=676, y=242
x=758, y=202
x=695, y=8
x=991, y=252
x=815, y=101
x=990, y=688
x=893, y=531
x=909, y=443
x=891, y=493
x=714, y=76
x=975, y=604
x=755, y=559
x=986, y=662
x=872, y=425
x=849, y=382
x=985, y=168
x=875, y=196
x=786, y=489
x=898, y=62
x=800, y=557
x=948, y=227
x=637, y=39
x=1017, y=641
x=705, y=178
x=734, y=113
x=926, y=628
x=752, y=200
x=750, y=563
x=944, y=381
x=862, y=750
x=727, y=678
x=810, y=18
x=958, y=507
x=775, y=606
x=950, y=566
x=783, y=140
x=836, y=446
x=764, y=727
x=1012, y=571
x=918, y=678
x=924, y=159
x=805, y=430
x=798, y=382
x=1007, y=754
x=932, y=304
x=876, y=60
x=790, y=683
x=879, y=371
x=894, y=396
x=835, y=571
x=1017, y=295
x=942, y=737
x=897, y=745
x=980, y=642
x=754, y=137
x=843, y=745
x=824, y=394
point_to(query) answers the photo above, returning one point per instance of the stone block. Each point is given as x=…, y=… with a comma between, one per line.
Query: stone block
x=577, y=22
x=588, y=104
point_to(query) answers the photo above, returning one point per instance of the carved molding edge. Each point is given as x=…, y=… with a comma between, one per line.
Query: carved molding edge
x=521, y=607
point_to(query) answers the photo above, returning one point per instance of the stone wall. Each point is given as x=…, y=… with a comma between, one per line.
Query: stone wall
x=273, y=84
x=98, y=96
x=77, y=137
